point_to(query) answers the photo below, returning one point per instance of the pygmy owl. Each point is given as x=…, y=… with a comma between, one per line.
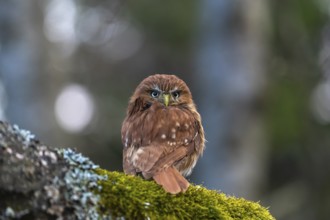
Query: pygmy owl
x=162, y=133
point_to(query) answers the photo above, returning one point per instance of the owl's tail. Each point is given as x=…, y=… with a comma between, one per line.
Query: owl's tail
x=171, y=180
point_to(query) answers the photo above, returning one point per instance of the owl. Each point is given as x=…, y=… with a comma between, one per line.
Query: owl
x=162, y=134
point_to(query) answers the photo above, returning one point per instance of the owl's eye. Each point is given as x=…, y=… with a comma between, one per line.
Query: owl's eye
x=154, y=93
x=176, y=94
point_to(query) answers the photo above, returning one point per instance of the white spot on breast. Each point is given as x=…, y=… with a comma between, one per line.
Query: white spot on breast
x=171, y=143
x=173, y=130
x=136, y=156
x=177, y=124
x=173, y=136
x=163, y=136
x=186, y=125
x=186, y=141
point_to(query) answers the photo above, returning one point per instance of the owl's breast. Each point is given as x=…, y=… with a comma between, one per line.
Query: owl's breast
x=172, y=126
x=165, y=126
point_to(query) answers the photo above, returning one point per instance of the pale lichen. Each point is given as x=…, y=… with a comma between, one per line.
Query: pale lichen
x=37, y=181
x=80, y=181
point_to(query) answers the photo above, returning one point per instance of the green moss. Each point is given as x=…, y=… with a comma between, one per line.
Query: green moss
x=134, y=198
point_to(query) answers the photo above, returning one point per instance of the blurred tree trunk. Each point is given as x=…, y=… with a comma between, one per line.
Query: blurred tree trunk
x=21, y=62
x=24, y=67
x=230, y=58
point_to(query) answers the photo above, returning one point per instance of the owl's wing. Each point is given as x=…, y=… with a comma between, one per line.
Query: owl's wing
x=150, y=159
x=144, y=158
x=166, y=161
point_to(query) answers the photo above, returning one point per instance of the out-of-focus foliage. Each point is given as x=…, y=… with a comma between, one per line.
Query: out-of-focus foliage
x=173, y=23
x=294, y=73
x=300, y=145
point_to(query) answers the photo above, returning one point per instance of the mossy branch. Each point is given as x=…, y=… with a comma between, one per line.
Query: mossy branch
x=134, y=198
x=39, y=182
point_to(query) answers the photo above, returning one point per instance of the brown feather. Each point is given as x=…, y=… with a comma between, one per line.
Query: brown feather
x=163, y=142
x=171, y=180
x=145, y=158
x=168, y=160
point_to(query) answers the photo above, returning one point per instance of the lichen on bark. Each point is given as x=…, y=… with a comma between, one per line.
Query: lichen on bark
x=40, y=182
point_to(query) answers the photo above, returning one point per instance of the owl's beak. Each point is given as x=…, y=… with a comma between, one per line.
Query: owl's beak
x=166, y=98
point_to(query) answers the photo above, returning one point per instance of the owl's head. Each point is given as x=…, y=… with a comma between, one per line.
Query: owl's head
x=168, y=90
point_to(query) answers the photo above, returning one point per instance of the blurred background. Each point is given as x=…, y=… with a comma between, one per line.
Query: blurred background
x=259, y=72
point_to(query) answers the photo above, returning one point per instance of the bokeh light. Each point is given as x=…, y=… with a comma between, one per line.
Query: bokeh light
x=59, y=23
x=74, y=108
